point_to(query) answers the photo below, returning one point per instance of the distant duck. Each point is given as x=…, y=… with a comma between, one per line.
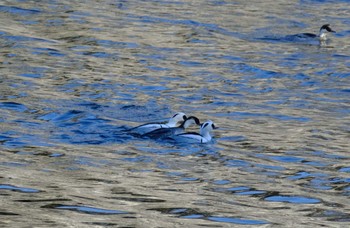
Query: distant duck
x=167, y=132
x=322, y=36
x=148, y=127
x=193, y=137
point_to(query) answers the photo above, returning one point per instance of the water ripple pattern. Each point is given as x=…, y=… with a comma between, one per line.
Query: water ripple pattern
x=76, y=75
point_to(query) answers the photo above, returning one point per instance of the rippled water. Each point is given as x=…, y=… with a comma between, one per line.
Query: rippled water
x=74, y=76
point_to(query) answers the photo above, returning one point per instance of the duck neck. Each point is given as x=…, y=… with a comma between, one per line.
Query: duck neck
x=187, y=123
x=172, y=123
x=206, y=135
x=323, y=35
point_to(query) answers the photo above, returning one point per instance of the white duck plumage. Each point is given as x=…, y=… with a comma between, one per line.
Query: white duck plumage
x=167, y=132
x=148, y=127
x=203, y=137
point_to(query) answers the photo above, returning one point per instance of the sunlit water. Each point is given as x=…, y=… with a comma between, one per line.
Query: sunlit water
x=75, y=76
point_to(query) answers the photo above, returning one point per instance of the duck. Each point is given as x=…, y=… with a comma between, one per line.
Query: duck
x=161, y=133
x=322, y=36
x=193, y=137
x=148, y=127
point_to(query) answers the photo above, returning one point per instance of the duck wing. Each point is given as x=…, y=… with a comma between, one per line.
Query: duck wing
x=163, y=132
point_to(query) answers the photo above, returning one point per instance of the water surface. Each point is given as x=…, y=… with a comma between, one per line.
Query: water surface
x=74, y=76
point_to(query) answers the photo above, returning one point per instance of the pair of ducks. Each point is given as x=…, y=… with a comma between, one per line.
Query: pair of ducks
x=171, y=131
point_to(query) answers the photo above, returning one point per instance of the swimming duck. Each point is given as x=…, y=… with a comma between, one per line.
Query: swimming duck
x=193, y=137
x=148, y=127
x=166, y=132
x=322, y=36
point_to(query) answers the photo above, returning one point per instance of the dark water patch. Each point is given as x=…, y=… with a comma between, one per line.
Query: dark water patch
x=49, y=154
x=70, y=116
x=243, y=190
x=258, y=72
x=78, y=39
x=123, y=191
x=47, y=51
x=282, y=158
x=138, y=199
x=99, y=54
x=8, y=213
x=85, y=209
x=104, y=224
x=13, y=106
x=221, y=182
x=104, y=181
x=4, y=138
x=339, y=180
x=292, y=199
x=190, y=63
x=181, y=212
x=116, y=44
x=240, y=221
x=330, y=215
x=317, y=163
x=41, y=200
x=19, y=11
x=252, y=193
x=92, y=105
x=18, y=189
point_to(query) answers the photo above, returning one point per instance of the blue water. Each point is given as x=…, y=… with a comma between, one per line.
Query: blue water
x=75, y=76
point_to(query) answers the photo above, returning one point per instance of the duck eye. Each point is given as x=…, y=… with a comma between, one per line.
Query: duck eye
x=213, y=126
x=184, y=117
